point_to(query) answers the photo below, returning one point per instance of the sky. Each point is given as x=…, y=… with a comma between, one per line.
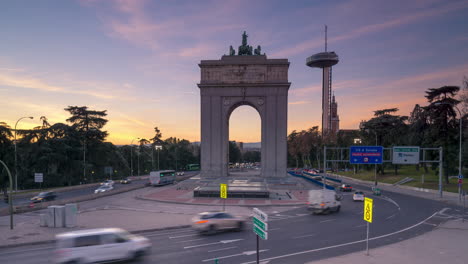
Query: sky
x=139, y=59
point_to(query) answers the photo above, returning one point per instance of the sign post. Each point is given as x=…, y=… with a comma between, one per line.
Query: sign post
x=39, y=177
x=223, y=193
x=260, y=227
x=368, y=206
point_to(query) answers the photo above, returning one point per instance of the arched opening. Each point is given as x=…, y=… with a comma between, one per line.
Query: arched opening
x=245, y=138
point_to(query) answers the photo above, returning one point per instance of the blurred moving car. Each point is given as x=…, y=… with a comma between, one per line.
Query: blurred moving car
x=211, y=222
x=180, y=173
x=346, y=188
x=125, y=181
x=358, y=196
x=107, y=182
x=99, y=245
x=43, y=197
x=103, y=188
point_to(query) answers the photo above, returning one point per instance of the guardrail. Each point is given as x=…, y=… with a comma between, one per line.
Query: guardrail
x=319, y=183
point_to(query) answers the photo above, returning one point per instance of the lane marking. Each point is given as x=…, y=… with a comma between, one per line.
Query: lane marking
x=221, y=249
x=190, y=240
x=183, y=236
x=324, y=221
x=347, y=244
x=222, y=241
x=246, y=253
x=391, y=201
x=393, y=215
x=304, y=236
x=167, y=233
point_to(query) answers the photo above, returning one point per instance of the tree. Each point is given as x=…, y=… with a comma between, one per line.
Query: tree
x=234, y=152
x=443, y=122
x=385, y=129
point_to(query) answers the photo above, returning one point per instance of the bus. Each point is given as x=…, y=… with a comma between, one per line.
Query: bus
x=193, y=167
x=162, y=177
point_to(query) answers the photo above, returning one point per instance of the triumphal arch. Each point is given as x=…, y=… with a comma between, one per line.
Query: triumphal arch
x=245, y=78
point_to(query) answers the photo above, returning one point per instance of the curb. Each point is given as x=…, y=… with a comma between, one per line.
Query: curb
x=52, y=241
x=242, y=205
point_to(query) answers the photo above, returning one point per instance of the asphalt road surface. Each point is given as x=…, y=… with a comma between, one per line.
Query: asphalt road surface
x=294, y=236
x=84, y=191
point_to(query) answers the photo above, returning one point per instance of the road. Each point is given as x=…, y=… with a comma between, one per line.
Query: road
x=83, y=191
x=295, y=236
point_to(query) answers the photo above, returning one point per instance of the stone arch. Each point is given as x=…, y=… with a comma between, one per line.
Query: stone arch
x=237, y=80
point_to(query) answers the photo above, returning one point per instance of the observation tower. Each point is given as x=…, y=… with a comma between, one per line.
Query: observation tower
x=325, y=61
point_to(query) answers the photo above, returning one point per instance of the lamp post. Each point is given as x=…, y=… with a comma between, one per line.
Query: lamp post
x=460, y=154
x=460, y=148
x=158, y=147
x=131, y=157
x=16, y=156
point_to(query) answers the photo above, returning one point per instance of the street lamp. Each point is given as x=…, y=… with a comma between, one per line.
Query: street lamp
x=460, y=148
x=158, y=147
x=131, y=157
x=16, y=157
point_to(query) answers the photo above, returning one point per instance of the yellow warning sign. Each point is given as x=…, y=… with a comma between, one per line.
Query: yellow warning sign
x=223, y=190
x=368, y=203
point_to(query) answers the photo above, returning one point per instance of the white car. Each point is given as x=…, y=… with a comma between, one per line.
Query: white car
x=99, y=245
x=107, y=182
x=358, y=196
x=180, y=173
x=103, y=188
x=211, y=222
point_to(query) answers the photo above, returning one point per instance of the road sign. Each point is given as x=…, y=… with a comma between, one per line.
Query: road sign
x=405, y=155
x=460, y=177
x=260, y=225
x=38, y=177
x=223, y=190
x=261, y=233
x=366, y=155
x=368, y=202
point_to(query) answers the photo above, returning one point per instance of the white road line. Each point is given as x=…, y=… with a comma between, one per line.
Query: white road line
x=190, y=240
x=391, y=201
x=183, y=236
x=246, y=253
x=347, y=244
x=222, y=241
x=221, y=249
x=390, y=217
x=304, y=236
x=324, y=221
x=168, y=233
x=26, y=250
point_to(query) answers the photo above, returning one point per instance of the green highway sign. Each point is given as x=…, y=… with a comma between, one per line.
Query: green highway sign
x=261, y=233
x=260, y=224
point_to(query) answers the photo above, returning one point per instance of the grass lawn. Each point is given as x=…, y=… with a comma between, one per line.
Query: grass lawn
x=431, y=178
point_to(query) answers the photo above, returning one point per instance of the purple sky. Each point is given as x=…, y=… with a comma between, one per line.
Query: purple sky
x=138, y=59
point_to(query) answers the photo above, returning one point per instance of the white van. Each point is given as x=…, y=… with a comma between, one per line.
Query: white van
x=323, y=201
x=99, y=245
